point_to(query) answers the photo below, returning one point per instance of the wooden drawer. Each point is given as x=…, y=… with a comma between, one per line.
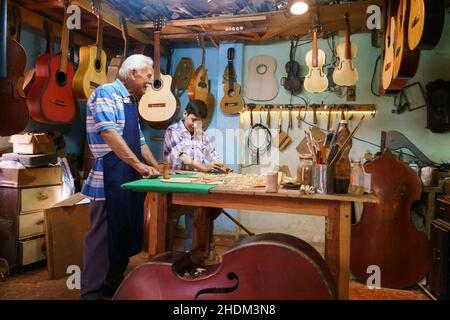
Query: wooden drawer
x=30, y=177
x=31, y=224
x=442, y=209
x=39, y=198
x=30, y=251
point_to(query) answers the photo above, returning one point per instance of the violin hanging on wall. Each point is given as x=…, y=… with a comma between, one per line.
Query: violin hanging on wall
x=13, y=109
x=292, y=82
x=316, y=80
x=271, y=266
x=346, y=74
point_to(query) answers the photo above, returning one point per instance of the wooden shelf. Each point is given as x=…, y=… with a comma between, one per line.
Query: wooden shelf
x=335, y=108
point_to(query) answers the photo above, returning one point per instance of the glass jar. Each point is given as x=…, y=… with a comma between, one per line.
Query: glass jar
x=304, y=170
x=357, y=177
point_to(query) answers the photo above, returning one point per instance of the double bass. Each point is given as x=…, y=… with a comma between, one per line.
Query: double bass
x=271, y=266
x=385, y=236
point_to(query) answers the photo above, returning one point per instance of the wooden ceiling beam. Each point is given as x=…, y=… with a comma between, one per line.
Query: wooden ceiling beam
x=212, y=33
x=206, y=21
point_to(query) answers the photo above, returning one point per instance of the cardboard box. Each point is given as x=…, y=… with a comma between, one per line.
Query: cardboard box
x=30, y=177
x=66, y=223
x=32, y=143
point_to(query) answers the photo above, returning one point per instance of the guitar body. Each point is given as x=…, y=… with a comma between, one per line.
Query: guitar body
x=426, y=21
x=198, y=88
x=345, y=74
x=13, y=109
x=232, y=102
x=388, y=62
x=406, y=61
x=113, y=68
x=261, y=84
x=316, y=80
x=51, y=98
x=90, y=73
x=158, y=105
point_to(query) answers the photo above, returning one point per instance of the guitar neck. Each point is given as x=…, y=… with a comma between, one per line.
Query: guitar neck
x=99, y=41
x=64, y=45
x=230, y=74
x=126, y=44
x=315, y=61
x=156, y=55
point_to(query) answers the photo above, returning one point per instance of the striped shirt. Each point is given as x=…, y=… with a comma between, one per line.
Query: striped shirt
x=104, y=110
x=179, y=140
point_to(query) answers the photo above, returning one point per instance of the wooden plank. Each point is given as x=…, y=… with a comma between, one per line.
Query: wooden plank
x=112, y=17
x=252, y=202
x=158, y=223
x=206, y=21
x=211, y=33
x=286, y=193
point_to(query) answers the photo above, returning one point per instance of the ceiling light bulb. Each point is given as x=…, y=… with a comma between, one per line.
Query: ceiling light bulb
x=299, y=7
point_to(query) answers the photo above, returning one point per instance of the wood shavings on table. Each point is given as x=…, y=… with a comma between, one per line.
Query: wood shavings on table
x=234, y=180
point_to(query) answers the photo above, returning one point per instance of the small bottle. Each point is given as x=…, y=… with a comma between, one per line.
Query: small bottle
x=357, y=178
x=342, y=167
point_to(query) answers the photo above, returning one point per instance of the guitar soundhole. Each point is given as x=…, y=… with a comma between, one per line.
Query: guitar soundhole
x=231, y=93
x=202, y=84
x=61, y=79
x=157, y=84
x=261, y=69
x=98, y=65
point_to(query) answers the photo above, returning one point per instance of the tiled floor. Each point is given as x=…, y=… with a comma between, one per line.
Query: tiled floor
x=33, y=284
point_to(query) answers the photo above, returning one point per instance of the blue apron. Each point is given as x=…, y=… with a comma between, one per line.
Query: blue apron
x=125, y=208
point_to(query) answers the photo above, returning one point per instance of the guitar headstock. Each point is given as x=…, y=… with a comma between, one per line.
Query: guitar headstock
x=230, y=54
x=95, y=5
x=159, y=24
x=66, y=3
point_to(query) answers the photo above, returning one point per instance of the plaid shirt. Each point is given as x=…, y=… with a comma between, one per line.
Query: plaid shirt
x=179, y=140
x=104, y=110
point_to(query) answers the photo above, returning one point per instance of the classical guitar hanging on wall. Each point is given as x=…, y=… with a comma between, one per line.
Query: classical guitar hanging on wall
x=51, y=98
x=13, y=109
x=346, y=74
x=232, y=102
x=158, y=106
x=261, y=83
x=91, y=71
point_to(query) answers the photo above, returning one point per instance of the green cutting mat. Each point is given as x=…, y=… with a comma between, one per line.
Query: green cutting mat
x=155, y=185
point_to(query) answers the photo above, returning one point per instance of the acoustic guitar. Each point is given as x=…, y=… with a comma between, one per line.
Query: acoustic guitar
x=198, y=88
x=116, y=62
x=426, y=22
x=91, y=72
x=316, y=80
x=232, y=102
x=261, y=83
x=51, y=98
x=405, y=60
x=13, y=60
x=345, y=74
x=30, y=74
x=158, y=105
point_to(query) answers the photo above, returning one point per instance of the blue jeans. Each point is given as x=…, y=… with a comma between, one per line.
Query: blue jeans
x=188, y=225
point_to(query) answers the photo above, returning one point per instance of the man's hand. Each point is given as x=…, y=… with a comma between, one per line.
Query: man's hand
x=146, y=171
x=216, y=166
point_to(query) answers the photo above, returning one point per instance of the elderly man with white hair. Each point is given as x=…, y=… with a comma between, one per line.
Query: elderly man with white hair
x=121, y=155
